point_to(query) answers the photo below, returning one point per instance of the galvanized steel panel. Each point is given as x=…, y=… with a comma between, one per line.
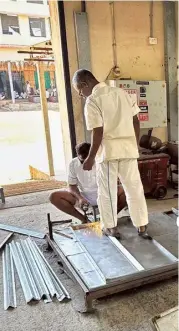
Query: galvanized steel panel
x=109, y=258
x=68, y=247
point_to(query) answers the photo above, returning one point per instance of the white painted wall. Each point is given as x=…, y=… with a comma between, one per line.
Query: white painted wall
x=10, y=54
x=22, y=7
x=23, y=10
x=24, y=38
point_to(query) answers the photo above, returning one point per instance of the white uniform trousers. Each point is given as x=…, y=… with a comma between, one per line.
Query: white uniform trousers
x=128, y=173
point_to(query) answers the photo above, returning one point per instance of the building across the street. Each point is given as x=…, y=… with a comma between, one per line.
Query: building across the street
x=23, y=23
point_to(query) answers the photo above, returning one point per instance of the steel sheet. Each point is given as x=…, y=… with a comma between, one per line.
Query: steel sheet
x=109, y=259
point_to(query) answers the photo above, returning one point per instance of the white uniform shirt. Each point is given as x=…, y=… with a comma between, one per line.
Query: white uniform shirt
x=112, y=108
x=85, y=180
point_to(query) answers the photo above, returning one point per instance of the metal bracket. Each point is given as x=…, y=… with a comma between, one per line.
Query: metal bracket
x=50, y=224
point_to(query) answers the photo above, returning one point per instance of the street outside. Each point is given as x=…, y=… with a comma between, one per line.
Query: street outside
x=22, y=143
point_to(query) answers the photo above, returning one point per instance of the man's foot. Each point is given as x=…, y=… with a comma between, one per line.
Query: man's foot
x=113, y=232
x=142, y=232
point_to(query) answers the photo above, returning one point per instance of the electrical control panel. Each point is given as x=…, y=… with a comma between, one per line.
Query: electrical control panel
x=151, y=99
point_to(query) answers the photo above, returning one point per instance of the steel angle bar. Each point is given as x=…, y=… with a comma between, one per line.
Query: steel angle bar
x=8, y=279
x=24, y=231
x=42, y=268
x=57, y=283
x=61, y=292
x=127, y=254
x=60, y=295
x=56, y=279
x=42, y=288
x=165, y=251
x=2, y=244
x=22, y=273
x=29, y=275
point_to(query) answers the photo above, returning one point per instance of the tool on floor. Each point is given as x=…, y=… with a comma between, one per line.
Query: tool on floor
x=63, y=234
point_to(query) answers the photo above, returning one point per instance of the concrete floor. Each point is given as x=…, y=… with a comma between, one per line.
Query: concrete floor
x=17, y=139
x=131, y=311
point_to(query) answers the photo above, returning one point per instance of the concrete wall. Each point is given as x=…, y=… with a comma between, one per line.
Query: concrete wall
x=136, y=58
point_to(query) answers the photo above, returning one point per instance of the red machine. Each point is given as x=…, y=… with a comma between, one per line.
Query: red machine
x=153, y=171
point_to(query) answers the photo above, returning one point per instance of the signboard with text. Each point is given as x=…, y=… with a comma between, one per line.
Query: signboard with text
x=150, y=97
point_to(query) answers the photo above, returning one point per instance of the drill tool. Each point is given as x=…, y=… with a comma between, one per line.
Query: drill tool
x=85, y=207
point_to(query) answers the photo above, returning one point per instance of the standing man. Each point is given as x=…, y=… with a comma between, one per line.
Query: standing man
x=111, y=115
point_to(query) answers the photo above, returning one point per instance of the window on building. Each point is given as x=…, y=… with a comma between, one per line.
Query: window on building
x=10, y=24
x=37, y=27
x=35, y=1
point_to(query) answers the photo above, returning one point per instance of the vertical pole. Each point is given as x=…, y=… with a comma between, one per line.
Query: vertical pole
x=50, y=226
x=44, y=108
x=64, y=50
x=60, y=81
x=11, y=82
x=83, y=51
x=171, y=68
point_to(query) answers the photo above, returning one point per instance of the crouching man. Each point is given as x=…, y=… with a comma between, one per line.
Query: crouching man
x=82, y=187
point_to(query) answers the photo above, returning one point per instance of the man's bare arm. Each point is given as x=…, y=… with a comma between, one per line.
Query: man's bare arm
x=73, y=189
x=136, y=124
x=96, y=139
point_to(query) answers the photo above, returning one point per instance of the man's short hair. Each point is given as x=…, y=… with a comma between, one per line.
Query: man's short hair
x=82, y=76
x=83, y=149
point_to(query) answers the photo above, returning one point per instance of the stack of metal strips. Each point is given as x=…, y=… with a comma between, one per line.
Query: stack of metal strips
x=37, y=278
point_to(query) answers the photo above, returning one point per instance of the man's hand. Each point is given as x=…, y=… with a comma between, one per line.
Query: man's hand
x=82, y=201
x=88, y=163
x=136, y=125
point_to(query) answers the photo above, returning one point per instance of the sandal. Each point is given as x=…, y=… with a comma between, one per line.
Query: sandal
x=112, y=233
x=144, y=234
